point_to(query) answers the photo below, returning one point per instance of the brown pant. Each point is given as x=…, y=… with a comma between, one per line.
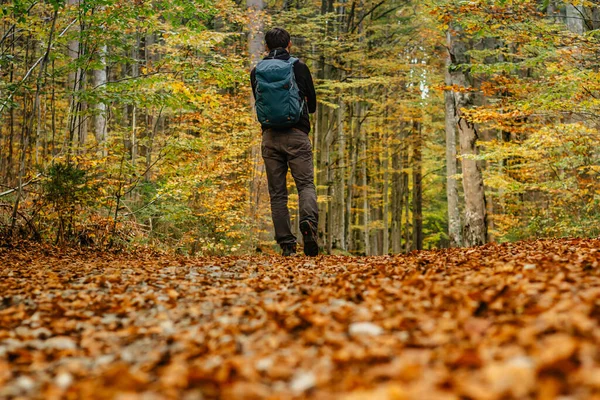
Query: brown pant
x=282, y=148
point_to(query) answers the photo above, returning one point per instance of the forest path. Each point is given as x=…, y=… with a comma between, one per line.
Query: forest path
x=517, y=320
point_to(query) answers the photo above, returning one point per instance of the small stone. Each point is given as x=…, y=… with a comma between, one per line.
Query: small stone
x=60, y=343
x=173, y=295
x=64, y=380
x=264, y=364
x=365, y=328
x=23, y=331
x=25, y=383
x=127, y=355
x=528, y=267
x=105, y=359
x=167, y=327
x=303, y=381
x=403, y=336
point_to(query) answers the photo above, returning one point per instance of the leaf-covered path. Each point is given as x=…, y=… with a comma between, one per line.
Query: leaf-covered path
x=512, y=321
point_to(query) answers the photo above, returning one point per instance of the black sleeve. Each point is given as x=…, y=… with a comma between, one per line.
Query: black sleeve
x=253, y=81
x=305, y=83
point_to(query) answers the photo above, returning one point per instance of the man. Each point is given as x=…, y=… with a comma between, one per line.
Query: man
x=285, y=141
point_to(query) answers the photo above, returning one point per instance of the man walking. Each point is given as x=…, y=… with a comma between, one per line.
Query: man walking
x=285, y=95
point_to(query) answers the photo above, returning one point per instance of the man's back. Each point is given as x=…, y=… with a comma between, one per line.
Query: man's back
x=305, y=84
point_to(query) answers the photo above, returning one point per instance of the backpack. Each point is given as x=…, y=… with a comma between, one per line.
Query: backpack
x=278, y=103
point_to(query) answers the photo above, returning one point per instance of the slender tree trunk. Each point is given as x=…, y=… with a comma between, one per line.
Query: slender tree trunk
x=100, y=122
x=52, y=148
x=396, y=202
x=37, y=109
x=407, y=236
x=417, y=188
x=365, y=194
x=354, y=149
x=339, y=240
x=255, y=49
x=135, y=72
x=72, y=84
x=399, y=190
x=77, y=126
x=152, y=119
x=7, y=162
x=454, y=224
x=321, y=149
x=24, y=147
x=385, y=194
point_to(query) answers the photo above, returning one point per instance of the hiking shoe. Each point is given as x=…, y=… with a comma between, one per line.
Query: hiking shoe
x=288, y=250
x=309, y=234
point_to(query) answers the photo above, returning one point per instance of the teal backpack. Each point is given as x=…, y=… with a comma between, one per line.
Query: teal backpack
x=278, y=103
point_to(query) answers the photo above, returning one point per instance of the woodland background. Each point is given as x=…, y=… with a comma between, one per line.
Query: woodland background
x=440, y=122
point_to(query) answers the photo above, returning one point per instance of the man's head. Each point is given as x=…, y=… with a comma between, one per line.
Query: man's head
x=278, y=38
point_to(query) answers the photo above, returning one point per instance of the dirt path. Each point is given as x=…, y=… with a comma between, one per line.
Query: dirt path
x=512, y=321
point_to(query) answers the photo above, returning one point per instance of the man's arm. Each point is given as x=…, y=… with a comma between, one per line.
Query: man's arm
x=305, y=82
x=253, y=81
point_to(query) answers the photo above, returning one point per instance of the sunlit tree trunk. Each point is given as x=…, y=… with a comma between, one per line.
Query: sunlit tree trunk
x=73, y=86
x=475, y=228
x=100, y=80
x=454, y=225
x=135, y=72
x=255, y=49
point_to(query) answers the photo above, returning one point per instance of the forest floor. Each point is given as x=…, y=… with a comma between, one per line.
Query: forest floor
x=517, y=320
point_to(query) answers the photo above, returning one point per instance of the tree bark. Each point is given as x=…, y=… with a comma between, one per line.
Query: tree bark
x=354, y=149
x=76, y=79
x=385, y=249
x=100, y=80
x=339, y=234
x=255, y=50
x=365, y=194
x=417, y=197
x=454, y=224
x=475, y=229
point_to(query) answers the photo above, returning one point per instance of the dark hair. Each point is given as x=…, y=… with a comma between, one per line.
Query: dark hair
x=276, y=38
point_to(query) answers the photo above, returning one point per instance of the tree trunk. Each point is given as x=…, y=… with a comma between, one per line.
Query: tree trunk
x=399, y=191
x=255, y=50
x=407, y=237
x=454, y=224
x=339, y=234
x=100, y=80
x=417, y=188
x=353, y=150
x=385, y=194
x=365, y=194
x=475, y=229
x=74, y=86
